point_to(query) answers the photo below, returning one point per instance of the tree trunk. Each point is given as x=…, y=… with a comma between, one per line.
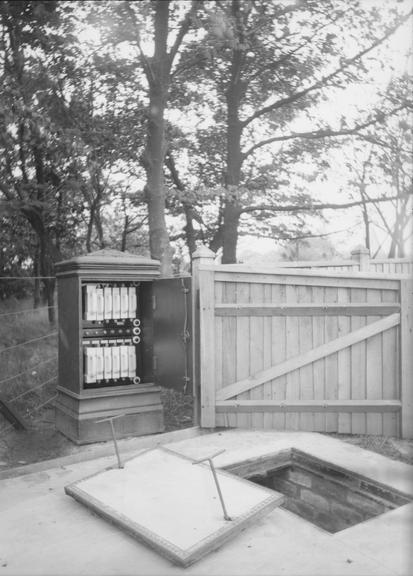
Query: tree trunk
x=89, y=230
x=235, y=92
x=190, y=234
x=36, y=273
x=48, y=254
x=232, y=208
x=230, y=233
x=365, y=217
x=155, y=146
x=124, y=233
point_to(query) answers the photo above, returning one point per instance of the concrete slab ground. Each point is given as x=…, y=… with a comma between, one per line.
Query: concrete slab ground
x=43, y=531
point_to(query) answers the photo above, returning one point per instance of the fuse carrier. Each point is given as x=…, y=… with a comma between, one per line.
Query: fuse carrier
x=111, y=334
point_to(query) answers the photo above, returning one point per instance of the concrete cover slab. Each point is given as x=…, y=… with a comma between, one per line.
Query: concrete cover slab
x=164, y=500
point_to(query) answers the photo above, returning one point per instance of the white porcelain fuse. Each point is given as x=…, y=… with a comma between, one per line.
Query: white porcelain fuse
x=124, y=361
x=132, y=302
x=115, y=362
x=99, y=304
x=107, y=297
x=107, y=363
x=132, y=361
x=90, y=302
x=124, y=302
x=115, y=302
x=99, y=363
x=90, y=364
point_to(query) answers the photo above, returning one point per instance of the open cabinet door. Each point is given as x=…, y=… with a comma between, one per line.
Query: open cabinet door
x=172, y=338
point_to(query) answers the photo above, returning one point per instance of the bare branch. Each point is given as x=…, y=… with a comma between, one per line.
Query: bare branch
x=145, y=60
x=302, y=236
x=183, y=29
x=170, y=163
x=272, y=66
x=323, y=206
x=322, y=133
x=325, y=79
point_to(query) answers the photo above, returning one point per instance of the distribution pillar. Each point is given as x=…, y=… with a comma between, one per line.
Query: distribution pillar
x=106, y=346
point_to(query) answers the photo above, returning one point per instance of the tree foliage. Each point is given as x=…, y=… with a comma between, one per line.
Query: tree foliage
x=143, y=125
x=266, y=69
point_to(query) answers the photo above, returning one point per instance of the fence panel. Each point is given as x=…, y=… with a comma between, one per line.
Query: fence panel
x=306, y=350
x=360, y=262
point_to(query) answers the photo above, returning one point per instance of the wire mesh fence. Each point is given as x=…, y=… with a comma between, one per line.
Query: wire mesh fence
x=28, y=354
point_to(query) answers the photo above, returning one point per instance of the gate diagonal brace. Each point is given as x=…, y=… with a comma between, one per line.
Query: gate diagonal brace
x=214, y=474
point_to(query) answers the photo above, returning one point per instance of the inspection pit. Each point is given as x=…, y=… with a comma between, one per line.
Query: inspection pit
x=330, y=497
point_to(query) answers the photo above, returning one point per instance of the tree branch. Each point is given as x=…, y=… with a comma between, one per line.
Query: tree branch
x=183, y=29
x=325, y=79
x=170, y=163
x=301, y=236
x=145, y=60
x=272, y=66
x=314, y=207
x=322, y=133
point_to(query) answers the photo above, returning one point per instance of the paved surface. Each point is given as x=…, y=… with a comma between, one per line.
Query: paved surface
x=43, y=531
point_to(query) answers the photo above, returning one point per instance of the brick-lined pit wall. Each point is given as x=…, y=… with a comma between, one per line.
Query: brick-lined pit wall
x=328, y=504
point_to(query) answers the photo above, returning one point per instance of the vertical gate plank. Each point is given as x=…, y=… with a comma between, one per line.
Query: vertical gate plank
x=221, y=419
x=374, y=372
x=406, y=342
x=207, y=347
x=331, y=365
x=267, y=388
x=318, y=366
x=391, y=374
x=343, y=366
x=391, y=384
x=358, y=366
x=292, y=419
x=228, y=338
x=242, y=342
x=257, y=351
x=305, y=327
x=278, y=353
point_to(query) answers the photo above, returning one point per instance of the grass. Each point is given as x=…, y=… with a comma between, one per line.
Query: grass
x=28, y=369
x=177, y=409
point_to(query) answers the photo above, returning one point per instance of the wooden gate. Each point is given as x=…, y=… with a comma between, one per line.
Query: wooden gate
x=304, y=349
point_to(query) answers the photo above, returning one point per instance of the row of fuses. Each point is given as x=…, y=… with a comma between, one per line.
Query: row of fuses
x=109, y=302
x=110, y=362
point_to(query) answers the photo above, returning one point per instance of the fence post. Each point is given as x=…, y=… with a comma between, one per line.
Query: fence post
x=203, y=337
x=361, y=255
x=406, y=351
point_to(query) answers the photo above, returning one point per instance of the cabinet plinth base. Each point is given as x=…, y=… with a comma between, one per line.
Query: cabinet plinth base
x=76, y=416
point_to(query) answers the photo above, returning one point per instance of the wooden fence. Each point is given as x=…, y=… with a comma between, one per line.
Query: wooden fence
x=360, y=262
x=303, y=349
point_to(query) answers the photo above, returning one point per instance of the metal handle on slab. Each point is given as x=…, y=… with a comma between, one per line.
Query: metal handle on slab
x=110, y=419
x=214, y=474
x=208, y=457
